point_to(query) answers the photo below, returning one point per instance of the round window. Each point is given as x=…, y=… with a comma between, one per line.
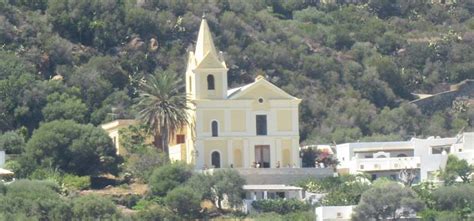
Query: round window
x=260, y=100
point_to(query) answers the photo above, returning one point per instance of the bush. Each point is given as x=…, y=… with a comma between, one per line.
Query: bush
x=37, y=200
x=280, y=206
x=154, y=213
x=93, y=207
x=272, y=216
x=72, y=148
x=46, y=174
x=168, y=177
x=184, y=201
x=128, y=201
x=141, y=164
x=12, y=143
x=76, y=182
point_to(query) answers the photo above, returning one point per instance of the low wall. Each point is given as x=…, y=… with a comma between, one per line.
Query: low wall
x=286, y=176
x=445, y=99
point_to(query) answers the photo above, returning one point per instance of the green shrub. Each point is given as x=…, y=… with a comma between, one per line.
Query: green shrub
x=280, y=206
x=143, y=204
x=272, y=216
x=46, y=174
x=37, y=200
x=93, y=207
x=12, y=143
x=168, y=177
x=76, y=182
x=184, y=201
x=128, y=201
x=153, y=213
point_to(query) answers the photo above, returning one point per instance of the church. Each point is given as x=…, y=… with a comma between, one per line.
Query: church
x=255, y=125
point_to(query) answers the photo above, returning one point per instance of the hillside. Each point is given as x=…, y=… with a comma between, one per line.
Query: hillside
x=354, y=66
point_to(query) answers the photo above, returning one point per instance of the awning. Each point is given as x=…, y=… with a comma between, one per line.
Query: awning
x=4, y=172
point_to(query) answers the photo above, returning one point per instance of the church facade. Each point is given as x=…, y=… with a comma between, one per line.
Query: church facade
x=255, y=125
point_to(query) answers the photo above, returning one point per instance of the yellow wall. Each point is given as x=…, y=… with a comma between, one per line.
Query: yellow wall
x=238, y=158
x=210, y=115
x=238, y=120
x=284, y=120
x=262, y=91
x=218, y=87
x=286, y=153
x=286, y=157
x=211, y=145
x=237, y=146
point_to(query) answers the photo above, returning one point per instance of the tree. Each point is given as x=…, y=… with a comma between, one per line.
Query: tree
x=202, y=183
x=457, y=198
x=340, y=190
x=222, y=184
x=141, y=164
x=64, y=107
x=73, y=148
x=387, y=200
x=94, y=207
x=184, y=201
x=37, y=200
x=12, y=143
x=456, y=168
x=167, y=177
x=162, y=107
x=313, y=156
x=229, y=183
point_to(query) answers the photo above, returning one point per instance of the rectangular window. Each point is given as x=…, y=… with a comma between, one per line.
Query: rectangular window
x=261, y=124
x=180, y=138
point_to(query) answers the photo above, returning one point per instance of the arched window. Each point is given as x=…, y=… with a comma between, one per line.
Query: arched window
x=214, y=128
x=210, y=82
x=402, y=155
x=216, y=159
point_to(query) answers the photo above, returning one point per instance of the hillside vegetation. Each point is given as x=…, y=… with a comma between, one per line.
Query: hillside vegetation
x=354, y=66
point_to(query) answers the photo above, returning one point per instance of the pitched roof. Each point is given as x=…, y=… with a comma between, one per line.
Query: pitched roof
x=259, y=81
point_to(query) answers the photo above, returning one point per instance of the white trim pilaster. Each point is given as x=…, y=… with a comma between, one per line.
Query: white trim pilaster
x=246, y=155
x=230, y=153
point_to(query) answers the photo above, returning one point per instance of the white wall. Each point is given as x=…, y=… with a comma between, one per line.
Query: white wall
x=332, y=212
x=2, y=158
x=430, y=162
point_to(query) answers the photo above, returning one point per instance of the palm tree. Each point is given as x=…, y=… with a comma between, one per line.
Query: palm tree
x=162, y=107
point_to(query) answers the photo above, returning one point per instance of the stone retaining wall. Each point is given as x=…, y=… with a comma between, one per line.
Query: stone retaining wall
x=288, y=176
x=445, y=99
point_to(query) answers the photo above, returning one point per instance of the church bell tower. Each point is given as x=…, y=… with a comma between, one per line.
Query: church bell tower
x=206, y=73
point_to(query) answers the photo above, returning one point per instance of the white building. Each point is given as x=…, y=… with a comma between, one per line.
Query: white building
x=387, y=159
x=334, y=213
x=264, y=192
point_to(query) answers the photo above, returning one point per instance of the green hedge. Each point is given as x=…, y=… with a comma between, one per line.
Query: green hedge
x=76, y=182
x=280, y=206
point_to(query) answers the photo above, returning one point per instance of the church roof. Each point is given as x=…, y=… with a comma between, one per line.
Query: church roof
x=259, y=82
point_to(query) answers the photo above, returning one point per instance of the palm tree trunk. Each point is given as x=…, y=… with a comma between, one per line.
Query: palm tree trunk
x=165, y=140
x=157, y=141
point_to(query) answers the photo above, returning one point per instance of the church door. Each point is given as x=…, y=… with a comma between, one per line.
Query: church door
x=262, y=155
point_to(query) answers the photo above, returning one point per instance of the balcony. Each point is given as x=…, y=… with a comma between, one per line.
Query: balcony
x=383, y=164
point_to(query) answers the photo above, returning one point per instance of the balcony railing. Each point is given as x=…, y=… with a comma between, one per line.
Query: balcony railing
x=381, y=164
